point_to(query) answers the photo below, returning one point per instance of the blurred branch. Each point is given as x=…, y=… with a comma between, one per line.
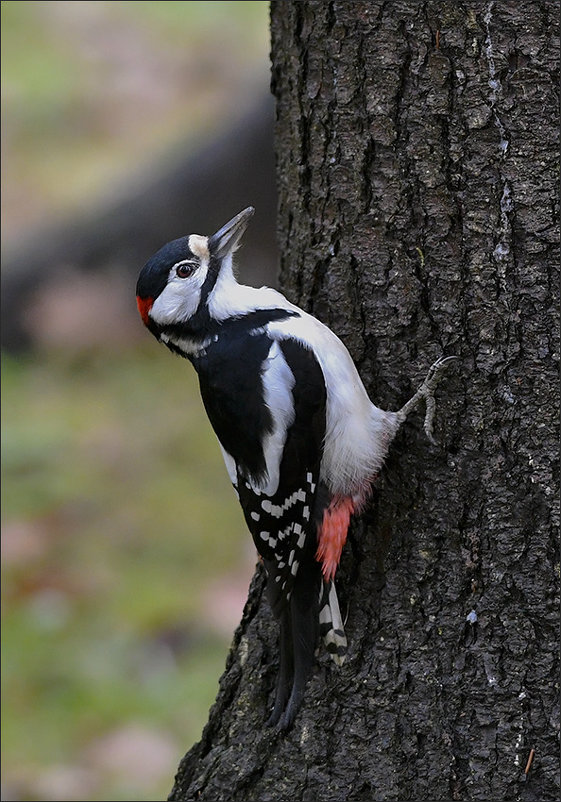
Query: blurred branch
x=191, y=193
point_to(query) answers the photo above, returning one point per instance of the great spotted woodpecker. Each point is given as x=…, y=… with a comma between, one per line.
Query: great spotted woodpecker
x=301, y=440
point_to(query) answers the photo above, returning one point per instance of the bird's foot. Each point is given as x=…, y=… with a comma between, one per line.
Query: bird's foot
x=426, y=392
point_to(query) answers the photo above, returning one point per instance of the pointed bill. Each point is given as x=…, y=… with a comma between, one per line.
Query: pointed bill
x=227, y=238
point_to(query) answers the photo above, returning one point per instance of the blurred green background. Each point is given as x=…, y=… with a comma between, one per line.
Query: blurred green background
x=125, y=557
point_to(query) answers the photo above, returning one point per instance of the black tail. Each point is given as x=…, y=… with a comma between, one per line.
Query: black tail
x=298, y=640
x=285, y=678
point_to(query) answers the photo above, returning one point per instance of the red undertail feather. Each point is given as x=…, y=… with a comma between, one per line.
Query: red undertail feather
x=332, y=534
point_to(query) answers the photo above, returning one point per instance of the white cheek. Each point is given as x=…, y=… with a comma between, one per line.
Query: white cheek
x=180, y=298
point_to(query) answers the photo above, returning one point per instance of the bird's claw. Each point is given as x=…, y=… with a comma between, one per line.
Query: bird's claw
x=426, y=392
x=434, y=375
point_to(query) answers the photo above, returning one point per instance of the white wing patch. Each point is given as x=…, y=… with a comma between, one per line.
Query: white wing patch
x=230, y=463
x=357, y=434
x=278, y=381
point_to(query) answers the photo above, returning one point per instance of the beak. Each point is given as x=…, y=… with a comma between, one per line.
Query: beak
x=227, y=238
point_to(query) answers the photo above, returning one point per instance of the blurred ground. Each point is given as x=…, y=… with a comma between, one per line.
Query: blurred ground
x=93, y=92
x=125, y=557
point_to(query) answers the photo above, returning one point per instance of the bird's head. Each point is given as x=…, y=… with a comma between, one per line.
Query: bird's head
x=178, y=283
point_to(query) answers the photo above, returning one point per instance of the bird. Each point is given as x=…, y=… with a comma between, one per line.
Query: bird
x=302, y=441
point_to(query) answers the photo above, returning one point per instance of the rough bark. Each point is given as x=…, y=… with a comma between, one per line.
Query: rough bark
x=415, y=151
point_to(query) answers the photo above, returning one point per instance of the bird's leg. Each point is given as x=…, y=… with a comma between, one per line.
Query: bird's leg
x=426, y=392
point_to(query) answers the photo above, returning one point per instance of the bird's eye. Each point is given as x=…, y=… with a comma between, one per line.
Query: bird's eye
x=185, y=270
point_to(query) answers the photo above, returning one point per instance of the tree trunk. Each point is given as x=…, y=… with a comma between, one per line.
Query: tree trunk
x=415, y=146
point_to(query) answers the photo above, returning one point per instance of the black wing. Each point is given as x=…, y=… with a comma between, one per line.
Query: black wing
x=229, y=377
x=284, y=526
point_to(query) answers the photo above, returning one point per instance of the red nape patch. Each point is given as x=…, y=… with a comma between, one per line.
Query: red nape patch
x=332, y=534
x=144, y=306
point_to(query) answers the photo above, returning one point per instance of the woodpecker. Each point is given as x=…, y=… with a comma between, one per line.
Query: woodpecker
x=301, y=440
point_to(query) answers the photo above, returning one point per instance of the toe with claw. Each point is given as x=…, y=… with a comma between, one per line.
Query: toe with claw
x=426, y=393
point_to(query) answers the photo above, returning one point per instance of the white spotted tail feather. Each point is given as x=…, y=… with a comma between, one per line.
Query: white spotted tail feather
x=331, y=626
